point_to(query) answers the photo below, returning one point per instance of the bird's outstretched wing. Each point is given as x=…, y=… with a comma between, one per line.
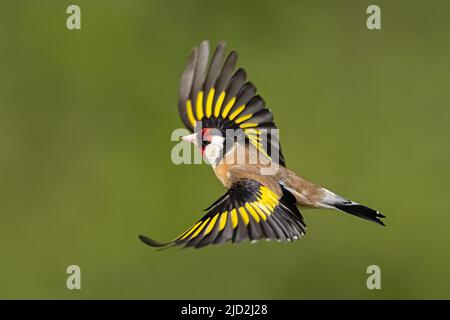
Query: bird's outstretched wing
x=217, y=96
x=248, y=210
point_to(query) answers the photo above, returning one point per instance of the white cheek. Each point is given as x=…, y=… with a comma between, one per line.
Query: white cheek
x=218, y=140
x=212, y=153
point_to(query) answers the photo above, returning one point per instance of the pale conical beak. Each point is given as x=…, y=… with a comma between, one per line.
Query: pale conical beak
x=192, y=138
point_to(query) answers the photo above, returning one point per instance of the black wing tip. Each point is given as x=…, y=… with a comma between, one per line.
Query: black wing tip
x=152, y=243
x=362, y=212
x=380, y=215
x=378, y=221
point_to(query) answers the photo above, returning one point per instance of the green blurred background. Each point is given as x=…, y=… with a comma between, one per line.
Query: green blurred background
x=85, y=124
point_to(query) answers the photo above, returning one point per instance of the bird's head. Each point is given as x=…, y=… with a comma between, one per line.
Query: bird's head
x=210, y=142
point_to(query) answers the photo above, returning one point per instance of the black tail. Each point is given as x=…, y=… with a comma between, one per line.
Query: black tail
x=361, y=211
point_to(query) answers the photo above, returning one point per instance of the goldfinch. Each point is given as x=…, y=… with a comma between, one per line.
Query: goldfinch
x=263, y=196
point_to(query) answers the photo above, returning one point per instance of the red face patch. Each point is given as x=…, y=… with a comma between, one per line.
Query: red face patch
x=206, y=134
x=205, y=138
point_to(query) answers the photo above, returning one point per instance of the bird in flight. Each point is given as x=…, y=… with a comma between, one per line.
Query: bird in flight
x=235, y=133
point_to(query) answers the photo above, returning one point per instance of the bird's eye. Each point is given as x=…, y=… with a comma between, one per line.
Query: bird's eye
x=205, y=139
